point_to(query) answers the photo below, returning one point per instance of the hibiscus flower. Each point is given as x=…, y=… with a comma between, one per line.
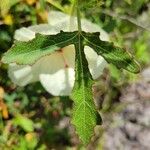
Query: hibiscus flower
x=56, y=71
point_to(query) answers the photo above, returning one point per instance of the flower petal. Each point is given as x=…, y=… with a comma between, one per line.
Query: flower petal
x=45, y=29
x=20, y=74
x=51, y=70
x=24, y=74
x=96, y=63
x=69, y=55
x=24, y=34
x=61, y=21
x=60, y=83
x=88, y=26
x=56, y=17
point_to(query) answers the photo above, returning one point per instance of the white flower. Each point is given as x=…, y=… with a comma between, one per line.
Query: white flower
x=56, y=71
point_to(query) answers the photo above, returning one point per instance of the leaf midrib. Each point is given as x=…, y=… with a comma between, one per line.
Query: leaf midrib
x=83, y=82
x=85, y=103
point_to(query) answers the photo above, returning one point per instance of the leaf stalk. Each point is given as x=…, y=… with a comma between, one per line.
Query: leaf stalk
x=78, y=16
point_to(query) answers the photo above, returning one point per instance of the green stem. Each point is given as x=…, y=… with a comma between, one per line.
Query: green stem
x=72, y=15
x=78, y=16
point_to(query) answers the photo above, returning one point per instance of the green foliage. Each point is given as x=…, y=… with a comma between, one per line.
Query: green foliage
x=142, y=48
x=24, y=123
x=112, y=54
x=29, y=52
x=85, y=116
x=86, y=4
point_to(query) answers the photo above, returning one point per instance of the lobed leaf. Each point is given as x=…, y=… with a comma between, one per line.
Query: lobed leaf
x=29, y=52
x=85, y=116
x=112, y=54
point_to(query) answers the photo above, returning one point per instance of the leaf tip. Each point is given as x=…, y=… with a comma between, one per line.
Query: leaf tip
x=135, y=67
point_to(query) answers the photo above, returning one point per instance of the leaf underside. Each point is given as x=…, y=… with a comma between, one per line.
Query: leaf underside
x=85, y=116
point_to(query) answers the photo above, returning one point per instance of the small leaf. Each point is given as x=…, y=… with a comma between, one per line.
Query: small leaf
x=24, y=123
x=112, y=54
x=29, y=52
x=85, y=116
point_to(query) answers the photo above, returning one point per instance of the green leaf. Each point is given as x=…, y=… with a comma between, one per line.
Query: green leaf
x=24, y=123
x=29, y=52
x=85, y=116
x=112, y=54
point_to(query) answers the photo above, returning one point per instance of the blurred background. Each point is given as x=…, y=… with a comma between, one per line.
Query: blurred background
x=32, y=119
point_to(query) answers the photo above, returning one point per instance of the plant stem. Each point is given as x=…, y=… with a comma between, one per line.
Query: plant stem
x=73, y=8
x=72, y=15
x=78, y=16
